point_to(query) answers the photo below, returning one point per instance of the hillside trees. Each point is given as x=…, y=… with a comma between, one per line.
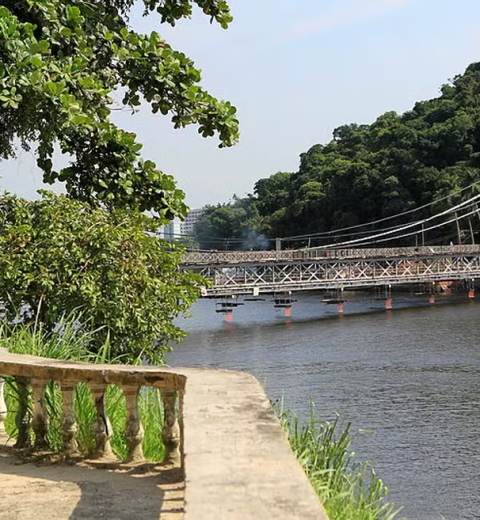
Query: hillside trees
x=369, y=172
x=235, y=225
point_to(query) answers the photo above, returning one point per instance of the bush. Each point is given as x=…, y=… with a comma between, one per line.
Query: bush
x=59, y=255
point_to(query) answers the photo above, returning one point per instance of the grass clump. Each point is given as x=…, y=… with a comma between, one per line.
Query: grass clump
x=349, y=490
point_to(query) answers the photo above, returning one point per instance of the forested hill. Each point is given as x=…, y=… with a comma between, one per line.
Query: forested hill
x=368, y=172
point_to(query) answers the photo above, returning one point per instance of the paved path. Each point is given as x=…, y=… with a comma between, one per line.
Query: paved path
x=61, y=492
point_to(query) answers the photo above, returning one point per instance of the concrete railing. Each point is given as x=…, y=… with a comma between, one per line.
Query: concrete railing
x=219, y=425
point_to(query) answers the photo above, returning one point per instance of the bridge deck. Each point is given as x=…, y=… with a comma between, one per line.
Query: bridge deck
x=260, y=272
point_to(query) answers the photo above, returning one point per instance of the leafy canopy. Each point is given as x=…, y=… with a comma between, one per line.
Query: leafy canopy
x=233, y=225
x=60, y=256
x=61, y=61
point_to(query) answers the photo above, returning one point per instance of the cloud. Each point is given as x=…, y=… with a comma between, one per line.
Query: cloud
x=356, y=11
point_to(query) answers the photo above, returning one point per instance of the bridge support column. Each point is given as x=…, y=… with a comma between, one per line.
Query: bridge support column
x=340, y=301
x=471, y=289
x=388, y=298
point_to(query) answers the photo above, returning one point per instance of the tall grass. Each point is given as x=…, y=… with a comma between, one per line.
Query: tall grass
x=68, y=343
x=348, y=489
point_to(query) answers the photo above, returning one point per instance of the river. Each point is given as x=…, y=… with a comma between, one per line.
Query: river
x=410, y=377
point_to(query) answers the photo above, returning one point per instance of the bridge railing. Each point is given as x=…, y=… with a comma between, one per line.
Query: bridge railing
x=236, y=459
x=239, y=257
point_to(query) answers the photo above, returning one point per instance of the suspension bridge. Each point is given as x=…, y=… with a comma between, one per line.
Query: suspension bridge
x=357, y=263
x=234, y=273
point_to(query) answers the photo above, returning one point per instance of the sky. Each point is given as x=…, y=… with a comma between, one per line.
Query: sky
x=295, y=70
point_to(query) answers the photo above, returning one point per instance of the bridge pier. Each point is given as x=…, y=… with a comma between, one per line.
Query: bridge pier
x=388, y=298
x=471, y=289
x=226, y=305
x=284, y=301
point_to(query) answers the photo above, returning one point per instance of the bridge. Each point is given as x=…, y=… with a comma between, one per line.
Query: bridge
x=234, y=273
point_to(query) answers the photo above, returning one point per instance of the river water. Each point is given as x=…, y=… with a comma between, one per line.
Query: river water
x=410, y=377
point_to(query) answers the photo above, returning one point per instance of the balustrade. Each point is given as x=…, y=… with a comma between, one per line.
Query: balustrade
x=3, y=407
x=30, y=380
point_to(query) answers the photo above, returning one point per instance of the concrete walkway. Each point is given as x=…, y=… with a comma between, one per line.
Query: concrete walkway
x=62, y=492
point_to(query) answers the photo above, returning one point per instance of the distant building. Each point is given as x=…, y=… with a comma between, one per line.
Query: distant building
x=173, y=230
x=193, y=217
x=177, y=229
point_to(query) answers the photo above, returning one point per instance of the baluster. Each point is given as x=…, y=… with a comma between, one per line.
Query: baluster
x=69, y=424
x=171, y=428
x=133, y=430
x=101, y=427
x=3, y=407
x=182, y=436
x=22, y=419
x=40, y=417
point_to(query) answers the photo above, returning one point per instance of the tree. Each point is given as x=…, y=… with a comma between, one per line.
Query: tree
x=60, y=256
x=235, y=225
x=273, y=193
x=61, y=62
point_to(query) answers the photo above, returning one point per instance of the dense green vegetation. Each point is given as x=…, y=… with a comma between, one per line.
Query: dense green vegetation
x=368, y=172
x=64, y=66
x=349, y=490
x=59, y=255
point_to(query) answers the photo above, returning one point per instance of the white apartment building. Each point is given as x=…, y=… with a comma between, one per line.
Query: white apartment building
x=173, y=230
x=176, y=229
x=192, y=218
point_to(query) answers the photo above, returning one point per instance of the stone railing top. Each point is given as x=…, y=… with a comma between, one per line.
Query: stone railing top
x=238, y=464
x=61, y=370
